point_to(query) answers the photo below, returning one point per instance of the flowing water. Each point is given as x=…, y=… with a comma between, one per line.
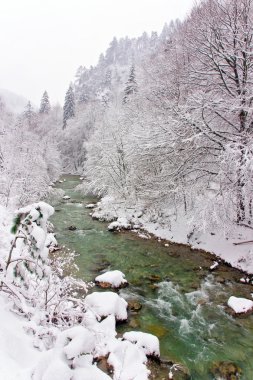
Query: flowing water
x=183, y=303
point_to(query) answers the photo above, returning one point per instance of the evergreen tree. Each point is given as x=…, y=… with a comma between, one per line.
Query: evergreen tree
x=131, y=85
x=45, y=104
x=69, y=106
x=29, y=114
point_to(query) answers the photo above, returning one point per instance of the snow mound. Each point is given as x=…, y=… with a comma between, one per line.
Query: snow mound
x=147, y=342
x=240, y=305
x=109, y=303
x=115, y=278
x=128, y=362
x=90, y=205
x=76, y=341
x=66, y=197
x=91, y=373
x=119, y=224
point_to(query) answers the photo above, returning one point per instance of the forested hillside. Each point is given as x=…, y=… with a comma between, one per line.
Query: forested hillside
x=165, y=121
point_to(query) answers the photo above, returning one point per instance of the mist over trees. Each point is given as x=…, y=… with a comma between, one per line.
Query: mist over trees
x=166, y=121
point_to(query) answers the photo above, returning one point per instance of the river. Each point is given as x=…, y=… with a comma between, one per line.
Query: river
x=183, y=303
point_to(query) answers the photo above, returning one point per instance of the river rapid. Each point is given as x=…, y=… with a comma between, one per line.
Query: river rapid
x=182, y=302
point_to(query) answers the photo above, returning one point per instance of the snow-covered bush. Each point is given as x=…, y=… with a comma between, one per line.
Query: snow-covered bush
x=34, y=284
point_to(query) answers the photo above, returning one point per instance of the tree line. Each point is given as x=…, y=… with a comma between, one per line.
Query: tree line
x=166, y=121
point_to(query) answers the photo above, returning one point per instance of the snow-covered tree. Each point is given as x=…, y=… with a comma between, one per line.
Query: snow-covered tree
x=69, y=106
x=45, y=104
x=29, y=115
x=131, y=85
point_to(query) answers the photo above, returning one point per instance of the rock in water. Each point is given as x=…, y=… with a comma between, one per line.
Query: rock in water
x=113, y=279
x=72, y=228
x=134, y=305
x=226, y=371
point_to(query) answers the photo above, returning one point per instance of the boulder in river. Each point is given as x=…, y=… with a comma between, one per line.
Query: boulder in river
x=114, y=279
x=66, y=197
x=134, y=323
x=72, y=228
x=103, y=304
x=154, y=278
x=179, y=372
x=226, y=371
x=90, y=205
x=240, y=305
x=134, y=305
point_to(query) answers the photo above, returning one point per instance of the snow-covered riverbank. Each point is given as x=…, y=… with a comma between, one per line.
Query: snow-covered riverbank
x=230, y=246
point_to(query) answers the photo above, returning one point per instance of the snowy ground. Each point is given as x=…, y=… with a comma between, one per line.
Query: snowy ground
x=179, y=230
x=17, y=354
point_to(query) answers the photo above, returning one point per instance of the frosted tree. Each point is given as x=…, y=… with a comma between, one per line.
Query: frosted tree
x=36, y=283
x=131, y=85
x=29, y=114
x=69, y=106
x=219, y=43
x=45, y=104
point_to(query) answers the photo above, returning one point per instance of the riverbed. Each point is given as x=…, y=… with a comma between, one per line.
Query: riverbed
x=183, y=303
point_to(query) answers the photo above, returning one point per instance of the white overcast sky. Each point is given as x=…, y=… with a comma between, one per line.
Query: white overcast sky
x=43, y=42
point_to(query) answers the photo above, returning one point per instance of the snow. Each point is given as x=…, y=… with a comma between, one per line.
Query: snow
x=77, y=341
x=108, y=303
x=52, y=368
x=17, y=355
x=116, y=278
x=66, y=197
x=90, y=205
x=179, y=229
x=147, y=342
x=128, y=362
x=120, y=224
x=39, y=236
x=50, y=240
x=44, y=207
x=91, y=373
x=214, y=266
x=240, y=305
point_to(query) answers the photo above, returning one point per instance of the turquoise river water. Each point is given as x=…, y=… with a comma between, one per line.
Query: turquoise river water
x=183, y=303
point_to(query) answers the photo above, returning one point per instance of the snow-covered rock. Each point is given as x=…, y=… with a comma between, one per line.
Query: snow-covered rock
x=90, y=205
x=147, y=342
x=114, y=278
x=214, y=265
x=240, y=305
x=66, y=197
x=108, y=303
x=128, y=362
x=119, y=224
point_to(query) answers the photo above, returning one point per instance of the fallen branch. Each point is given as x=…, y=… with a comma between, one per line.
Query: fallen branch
x=246, y=225
x=243, y=242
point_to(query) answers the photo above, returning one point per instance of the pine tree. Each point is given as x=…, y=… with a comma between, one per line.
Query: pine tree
x=69, y=106
x=29, y=114
x=45, y=104
x=131, y=85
